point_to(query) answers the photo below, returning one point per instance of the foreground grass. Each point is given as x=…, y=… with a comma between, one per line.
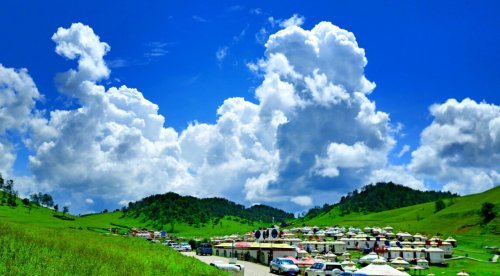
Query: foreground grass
x=57, y=251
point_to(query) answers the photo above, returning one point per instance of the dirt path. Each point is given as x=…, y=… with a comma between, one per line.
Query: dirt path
x=251, y=269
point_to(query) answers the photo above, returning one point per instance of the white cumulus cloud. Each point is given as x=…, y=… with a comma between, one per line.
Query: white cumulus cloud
x=461, y=147
x=312, y=135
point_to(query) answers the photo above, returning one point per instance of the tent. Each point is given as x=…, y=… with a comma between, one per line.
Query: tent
x=380, y=268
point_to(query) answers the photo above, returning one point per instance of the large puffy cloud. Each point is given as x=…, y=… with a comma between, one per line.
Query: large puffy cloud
x=312, y=135
x=461, y=147
x=114, y=146
x=312, y=131
x=331, y=136
x=18, y=96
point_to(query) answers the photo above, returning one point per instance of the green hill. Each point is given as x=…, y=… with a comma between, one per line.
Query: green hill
x=35, y=242
x=171, y=208
x=380, y=197
x=461, y=215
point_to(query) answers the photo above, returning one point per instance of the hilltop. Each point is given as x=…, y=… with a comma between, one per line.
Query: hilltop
x=379, y=197
x=460, y=216
x=172, y=208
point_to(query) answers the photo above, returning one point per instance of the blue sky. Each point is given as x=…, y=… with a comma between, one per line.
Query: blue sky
x=188, y=58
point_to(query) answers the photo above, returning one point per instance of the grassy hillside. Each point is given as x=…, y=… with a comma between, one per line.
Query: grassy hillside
x=460, y=216
x=41, y=216
x=380, y=197
x=170, y=208
x=37, y=243
x=57, y=251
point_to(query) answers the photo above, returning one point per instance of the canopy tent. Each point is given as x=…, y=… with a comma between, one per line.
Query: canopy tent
x=378, y=269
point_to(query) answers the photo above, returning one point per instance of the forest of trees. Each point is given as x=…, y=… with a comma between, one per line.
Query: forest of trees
x=380, y=197
x=171, y=207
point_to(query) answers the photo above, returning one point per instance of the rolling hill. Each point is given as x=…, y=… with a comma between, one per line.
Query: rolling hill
x=379, y=197
x=171, y=207
x=461, y=215
x=35, y=242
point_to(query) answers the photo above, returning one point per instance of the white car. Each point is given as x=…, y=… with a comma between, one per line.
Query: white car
x=284, y=265
x=324, y=269
x=233, y=269
x=185, y=246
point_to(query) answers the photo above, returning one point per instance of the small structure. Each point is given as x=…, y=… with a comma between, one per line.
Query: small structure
x=380, y=268
x=346, y=256
x=388, y=228
x=435, y=255
x=339, y=247
x=350, y=242
x=462, y=273
x=452, y=241
x=419, y=252
x=399, y=262
x=301, y=253
x=447, y=248
x=367, y=259
x=423, y=263
x=408, y=254
x=260, y=252
x=349, y=266
x=330, y=257
x=394, y=252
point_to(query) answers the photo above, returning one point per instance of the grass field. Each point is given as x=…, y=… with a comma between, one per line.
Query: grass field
x=99, y=222
x=37, y=243
x=57, y=251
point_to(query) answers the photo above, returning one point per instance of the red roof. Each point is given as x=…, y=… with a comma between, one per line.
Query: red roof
x=308, y=261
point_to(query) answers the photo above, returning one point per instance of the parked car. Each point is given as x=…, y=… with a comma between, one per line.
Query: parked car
x=204, y=249
x=233, y=269
x=284, y=265
x=175, y=246
x=185, y=246
x=324, y=269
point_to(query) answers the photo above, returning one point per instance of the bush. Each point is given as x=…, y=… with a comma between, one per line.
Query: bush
x=439, y=206
x=488, y=212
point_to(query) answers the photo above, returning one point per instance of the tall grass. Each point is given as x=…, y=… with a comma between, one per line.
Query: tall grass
x=56, y=251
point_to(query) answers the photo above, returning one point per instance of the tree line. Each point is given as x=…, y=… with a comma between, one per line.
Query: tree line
x=171, y=207
x=10, y=196
x=379, y=197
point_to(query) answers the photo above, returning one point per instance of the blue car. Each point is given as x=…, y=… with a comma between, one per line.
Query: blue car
x=204, y=249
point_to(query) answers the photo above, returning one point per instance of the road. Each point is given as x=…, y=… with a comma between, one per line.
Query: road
x=251, y=269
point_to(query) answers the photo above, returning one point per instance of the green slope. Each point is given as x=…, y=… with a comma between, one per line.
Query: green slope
x=37, y=243
x=41, y=216
x=461, y=216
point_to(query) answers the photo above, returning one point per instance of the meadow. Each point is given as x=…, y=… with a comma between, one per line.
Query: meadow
x=37, y=243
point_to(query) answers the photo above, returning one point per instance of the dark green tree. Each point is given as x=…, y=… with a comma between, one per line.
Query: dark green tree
x=47, y=200
x=65, y=210
x=35, y=199
x=488, y=212
x=56, y=208
x=439, y=205
x=26, y=201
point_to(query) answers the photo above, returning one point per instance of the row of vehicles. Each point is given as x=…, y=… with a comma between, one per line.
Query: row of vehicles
x=286, y=266
x=183, y=246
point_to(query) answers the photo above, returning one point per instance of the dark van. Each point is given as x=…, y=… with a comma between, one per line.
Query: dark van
x=204, y=249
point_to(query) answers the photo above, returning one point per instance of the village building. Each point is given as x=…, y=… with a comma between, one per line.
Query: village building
x=256, y=252
x=435, y=255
